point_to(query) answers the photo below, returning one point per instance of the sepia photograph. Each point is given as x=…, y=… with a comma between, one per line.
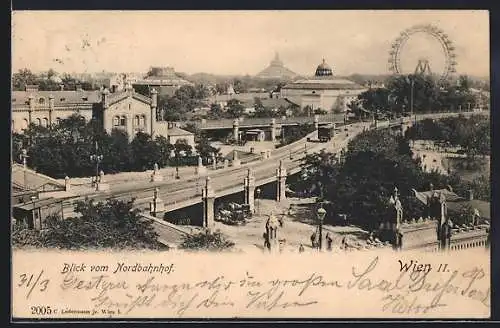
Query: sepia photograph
x=218, y=164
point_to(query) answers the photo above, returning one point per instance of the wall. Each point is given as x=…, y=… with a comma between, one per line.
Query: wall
x=137, y=116
x=325, y=99
x=19, y=115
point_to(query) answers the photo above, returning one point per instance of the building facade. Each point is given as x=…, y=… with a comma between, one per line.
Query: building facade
x=48, y=107
x=324, y=91
x=124, y=110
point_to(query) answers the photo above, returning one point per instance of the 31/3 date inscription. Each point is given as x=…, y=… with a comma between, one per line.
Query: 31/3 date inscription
x=33, y=281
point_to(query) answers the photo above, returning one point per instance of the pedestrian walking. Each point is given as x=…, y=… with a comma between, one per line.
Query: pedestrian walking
x=329, y=241
x=313, y=240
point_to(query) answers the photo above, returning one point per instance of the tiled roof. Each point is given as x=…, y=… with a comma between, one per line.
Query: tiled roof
x=450, y=196
x=119, y=96
x=327, y=83
x=60, y=97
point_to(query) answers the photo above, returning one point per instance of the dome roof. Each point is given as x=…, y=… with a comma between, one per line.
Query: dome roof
x=323, y=70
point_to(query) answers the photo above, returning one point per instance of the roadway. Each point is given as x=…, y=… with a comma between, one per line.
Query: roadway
x=178, y=194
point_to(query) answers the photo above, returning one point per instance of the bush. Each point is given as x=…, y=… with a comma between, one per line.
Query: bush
x=112, y=224
x=207, y=240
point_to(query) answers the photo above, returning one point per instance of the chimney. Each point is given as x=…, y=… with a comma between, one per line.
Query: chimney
x=470, y=194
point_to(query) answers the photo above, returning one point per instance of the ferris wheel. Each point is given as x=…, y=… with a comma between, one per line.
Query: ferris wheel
x=423, y=64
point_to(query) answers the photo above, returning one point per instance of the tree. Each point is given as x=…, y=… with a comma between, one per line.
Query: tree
x=207, y=241
x=216, y=112
x=182, y=147
x=145, y=152
x=22, y=78
x=234, y=108
x=164, y=148
x=296, y=132
x=375, y=100
x=110, y=224
x=205, y=150
x=261, y=110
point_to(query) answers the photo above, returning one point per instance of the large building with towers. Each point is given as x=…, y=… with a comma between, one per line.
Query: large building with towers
x=124, y=110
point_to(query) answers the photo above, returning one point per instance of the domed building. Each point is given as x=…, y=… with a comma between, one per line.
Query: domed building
x=276, y=70
x=323, y=91
x=163, y=79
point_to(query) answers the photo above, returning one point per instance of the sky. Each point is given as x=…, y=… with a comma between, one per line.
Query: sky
x=242, y=42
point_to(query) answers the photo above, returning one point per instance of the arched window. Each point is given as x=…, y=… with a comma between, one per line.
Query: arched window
x=41, y=101
x=24, y=124
x=143, y=120
x=116, y=121
x=38, y=121
x=136, y=120
x=45, y=122
x=123, y=121
x=58, y=120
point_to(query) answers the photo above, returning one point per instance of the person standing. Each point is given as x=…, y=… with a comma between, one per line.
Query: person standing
x=329, y=242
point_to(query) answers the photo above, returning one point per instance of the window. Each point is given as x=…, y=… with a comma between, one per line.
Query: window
x=24, y=124
x=143, y=120
x=41, y=101
x=129, y=107
x=116, y=121
x=136, y=120
x=58, y=120
x=45, y=122
x=62, y=99
x=38, y=121
x=85, y=98
x=123, y=121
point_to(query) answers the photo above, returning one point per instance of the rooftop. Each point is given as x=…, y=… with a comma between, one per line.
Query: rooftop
x=60, y=97
x=324, y=83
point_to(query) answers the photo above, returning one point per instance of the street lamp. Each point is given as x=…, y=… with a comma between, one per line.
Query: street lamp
x=97, y=159
x=24, y=156
x=258, y=200
x=321, y=216
x=33, y=199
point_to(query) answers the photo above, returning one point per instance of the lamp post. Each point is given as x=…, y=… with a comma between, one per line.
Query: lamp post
x=33, y=199
x=24, y=156
x=258, y=200
x=321, y=216
x=97, y=159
